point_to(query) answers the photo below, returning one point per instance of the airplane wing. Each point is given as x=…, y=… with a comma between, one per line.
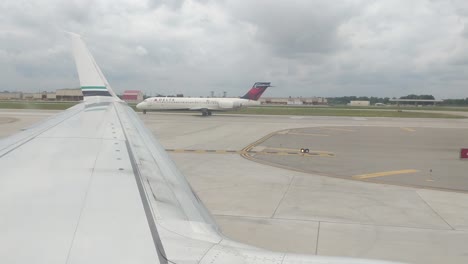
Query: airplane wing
x=92, y=185
x=200, y=108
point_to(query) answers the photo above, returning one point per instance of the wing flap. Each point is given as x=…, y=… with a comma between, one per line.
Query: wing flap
x=171, y=197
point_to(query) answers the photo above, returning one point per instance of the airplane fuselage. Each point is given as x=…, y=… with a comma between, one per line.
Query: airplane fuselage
x=195, y=104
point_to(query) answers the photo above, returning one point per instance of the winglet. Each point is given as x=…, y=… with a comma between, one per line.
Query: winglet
x=257, y=90
x=92, y=81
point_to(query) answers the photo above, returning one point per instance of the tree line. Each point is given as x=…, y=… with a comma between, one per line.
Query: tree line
x=343, y=100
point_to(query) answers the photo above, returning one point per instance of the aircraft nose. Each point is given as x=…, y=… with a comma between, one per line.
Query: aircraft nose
x=140, y=105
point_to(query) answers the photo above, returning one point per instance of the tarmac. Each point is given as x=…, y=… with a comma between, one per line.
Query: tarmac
x=382, y=188
x=408, y=156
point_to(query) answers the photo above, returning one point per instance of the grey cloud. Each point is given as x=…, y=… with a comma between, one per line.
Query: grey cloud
x=306, y=48
x=169, y=3
x=295, y=28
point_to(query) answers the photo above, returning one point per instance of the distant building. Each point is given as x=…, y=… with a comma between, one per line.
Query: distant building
x=51, y=96
x=315, y=101
x=31, y=96
x=39, y=96
x=132, y=95
x=69, y=94
x=27, y=96
x=294, y=101
x=11, y=96
x=359, y=103
x=416, y=101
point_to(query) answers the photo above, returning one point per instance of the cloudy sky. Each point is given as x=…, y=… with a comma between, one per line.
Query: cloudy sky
x=304, y=47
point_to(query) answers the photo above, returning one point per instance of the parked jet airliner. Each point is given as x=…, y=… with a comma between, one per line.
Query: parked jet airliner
x=92, y=185
x=205, y=105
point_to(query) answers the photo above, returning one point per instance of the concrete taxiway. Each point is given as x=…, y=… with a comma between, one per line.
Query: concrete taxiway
x=276, y=198
x=422, y=157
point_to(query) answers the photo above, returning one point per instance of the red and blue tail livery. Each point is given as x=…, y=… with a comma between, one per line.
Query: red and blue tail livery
x=257, y=90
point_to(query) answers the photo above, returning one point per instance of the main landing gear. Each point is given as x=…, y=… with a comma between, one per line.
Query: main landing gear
x=144, y=112
x=206, y=112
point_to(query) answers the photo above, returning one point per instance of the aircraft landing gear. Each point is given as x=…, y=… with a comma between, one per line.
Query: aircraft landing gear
x=206, y=112
x=144, y=112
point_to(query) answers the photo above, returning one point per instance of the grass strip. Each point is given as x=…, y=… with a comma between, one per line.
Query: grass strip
x=274, y=110
x=314, y=111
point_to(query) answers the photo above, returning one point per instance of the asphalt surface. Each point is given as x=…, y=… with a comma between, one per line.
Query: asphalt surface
x=422, y=157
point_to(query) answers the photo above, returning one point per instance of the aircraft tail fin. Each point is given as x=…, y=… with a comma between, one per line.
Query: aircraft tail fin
x=257, y=90
x=92, y=81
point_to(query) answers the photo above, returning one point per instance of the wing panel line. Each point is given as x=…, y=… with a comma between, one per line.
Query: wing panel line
x=91, y=178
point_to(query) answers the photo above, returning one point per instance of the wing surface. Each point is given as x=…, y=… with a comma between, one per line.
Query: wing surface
x=92, y=185
x=68, y=193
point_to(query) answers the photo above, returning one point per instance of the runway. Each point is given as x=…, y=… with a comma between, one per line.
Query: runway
x=322, y=203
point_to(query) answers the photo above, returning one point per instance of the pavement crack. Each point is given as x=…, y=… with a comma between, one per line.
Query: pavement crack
x=435, y=212
x=317, y=242
x=284, y=195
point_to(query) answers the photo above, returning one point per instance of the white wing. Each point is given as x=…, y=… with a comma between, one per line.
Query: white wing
x=92, y=185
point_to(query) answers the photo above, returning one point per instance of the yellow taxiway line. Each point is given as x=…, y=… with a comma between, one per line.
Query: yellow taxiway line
x=271, y=151
x=337, y=129
x=382, y=174
x=297, y=150
x=307, y=134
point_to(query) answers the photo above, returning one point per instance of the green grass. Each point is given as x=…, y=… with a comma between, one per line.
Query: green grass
x=425, y=108
x=325, y=111
x=388, y=107
x=36, y=105
x=281, y=110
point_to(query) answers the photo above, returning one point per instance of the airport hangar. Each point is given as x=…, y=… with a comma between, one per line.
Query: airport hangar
x=369, y=187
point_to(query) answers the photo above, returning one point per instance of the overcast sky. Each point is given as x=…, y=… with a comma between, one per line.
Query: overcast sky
x=304, y=47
